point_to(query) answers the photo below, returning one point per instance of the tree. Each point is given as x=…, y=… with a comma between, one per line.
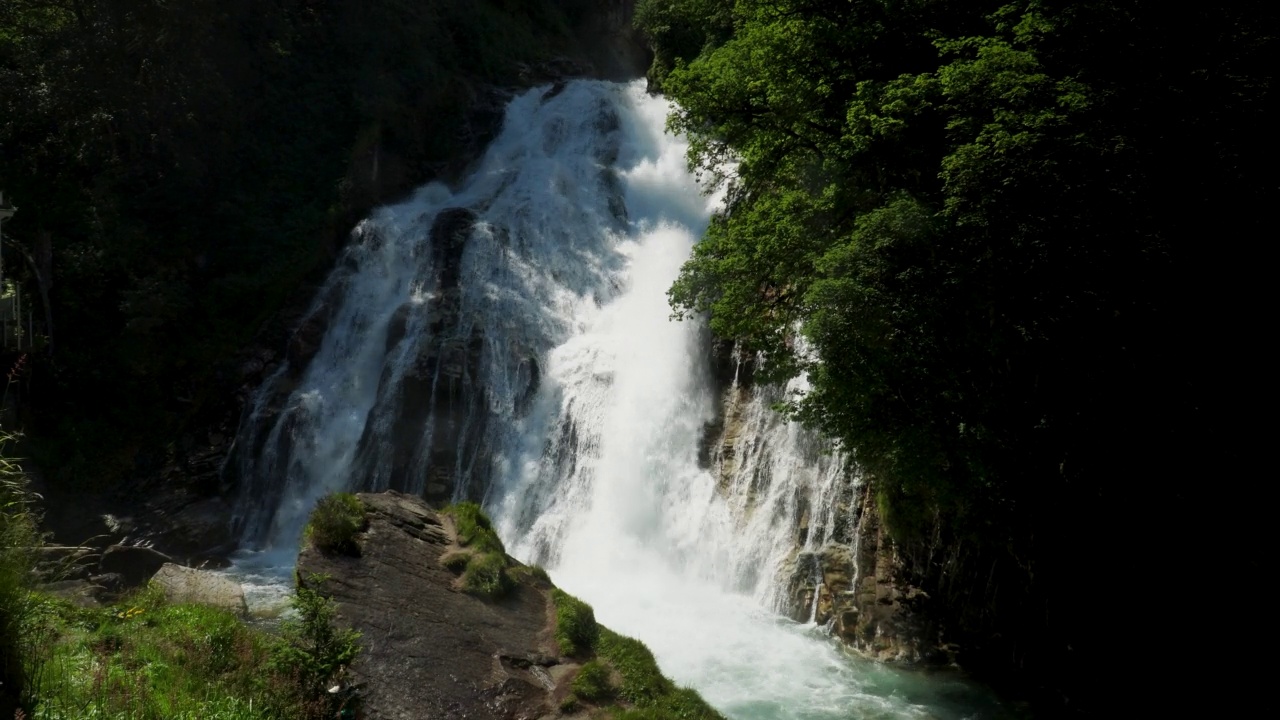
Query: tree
x=981, y=229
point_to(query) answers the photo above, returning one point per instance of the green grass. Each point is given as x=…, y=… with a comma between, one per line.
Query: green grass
x=486, y=575
x=640, y=684
x=19, y=534
x=530, y=572
x=473, y=528
x=576, y=629
x=594, y=682
x=335, y=523
x=145, y=659
x=483, y=560
x=456, y=561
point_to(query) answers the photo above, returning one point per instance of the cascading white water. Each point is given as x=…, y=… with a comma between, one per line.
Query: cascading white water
x=583, y=407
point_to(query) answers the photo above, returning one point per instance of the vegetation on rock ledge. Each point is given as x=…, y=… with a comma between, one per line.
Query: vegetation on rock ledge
x=640, y=683
x=482, y=560
x=335, y=523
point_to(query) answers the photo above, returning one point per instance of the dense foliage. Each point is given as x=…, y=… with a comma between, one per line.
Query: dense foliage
x=182, y=167
x=1011, y=244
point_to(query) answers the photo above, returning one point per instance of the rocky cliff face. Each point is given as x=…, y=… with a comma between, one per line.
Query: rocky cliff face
x=850, y=577
x=864, y=597
x=876, y=610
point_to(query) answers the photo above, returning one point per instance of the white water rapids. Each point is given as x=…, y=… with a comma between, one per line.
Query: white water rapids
x=585, y=440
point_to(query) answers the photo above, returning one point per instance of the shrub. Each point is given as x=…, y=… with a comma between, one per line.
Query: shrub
x=486, y=575
x=314, y=651
x=594, y=682
x=473, y=528
x=335, y=522
x=576, y=629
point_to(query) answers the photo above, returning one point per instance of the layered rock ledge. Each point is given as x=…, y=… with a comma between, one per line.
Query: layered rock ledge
x=430, y=649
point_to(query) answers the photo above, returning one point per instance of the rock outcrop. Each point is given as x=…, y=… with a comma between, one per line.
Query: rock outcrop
x=429, y=649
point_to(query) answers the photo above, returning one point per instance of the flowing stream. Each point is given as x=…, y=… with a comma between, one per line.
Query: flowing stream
x=510, y=341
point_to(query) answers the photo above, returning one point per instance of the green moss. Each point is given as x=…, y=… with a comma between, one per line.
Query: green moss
x=679, y=703
x=531, y=573
x=644, y=686
x=594, y=682
x=335, y=523
x=576, y=629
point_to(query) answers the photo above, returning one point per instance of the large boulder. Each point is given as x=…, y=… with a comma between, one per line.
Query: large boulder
x=189, y=585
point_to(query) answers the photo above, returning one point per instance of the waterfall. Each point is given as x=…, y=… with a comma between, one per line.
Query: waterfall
x=509, y=341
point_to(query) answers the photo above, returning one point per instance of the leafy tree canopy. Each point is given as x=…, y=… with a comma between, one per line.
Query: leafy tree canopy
x=1005, y=241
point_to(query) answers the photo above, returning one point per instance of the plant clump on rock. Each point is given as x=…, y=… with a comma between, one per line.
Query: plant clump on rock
x=576, y=629
x=482, y=561
x=335, y=523
x=594, y=682
x=620, y=669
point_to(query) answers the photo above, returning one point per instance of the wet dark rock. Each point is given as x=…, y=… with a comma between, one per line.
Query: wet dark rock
x=78, y=592
x=60, y=562
x=306, y=342
x=107, y=587
x=135, y=564
x=449, y=234
x=881, y=616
